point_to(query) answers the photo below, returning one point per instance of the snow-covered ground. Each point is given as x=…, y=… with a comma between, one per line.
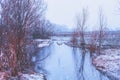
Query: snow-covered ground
x=35, y=76
x=109, y=63
x=32, y=77
x=43, y=42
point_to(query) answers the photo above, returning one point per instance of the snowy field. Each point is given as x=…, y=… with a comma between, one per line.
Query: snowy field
x=109, y=63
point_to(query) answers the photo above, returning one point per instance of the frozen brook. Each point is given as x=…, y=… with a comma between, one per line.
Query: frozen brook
x=62, y=63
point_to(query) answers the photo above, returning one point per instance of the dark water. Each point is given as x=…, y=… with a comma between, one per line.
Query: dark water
x=66, y=63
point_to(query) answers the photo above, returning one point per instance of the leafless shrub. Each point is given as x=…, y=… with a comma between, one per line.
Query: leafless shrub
x=97, y=38
x=102, y=30
x=80, y=31
x=81, y=26
x=18, y=16
x=92, y=45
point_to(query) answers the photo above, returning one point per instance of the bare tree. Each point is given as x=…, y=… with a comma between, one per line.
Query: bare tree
x=19, y=16
x=92, y=45
x=81, y=27
x=97, y=38
x=102, y=30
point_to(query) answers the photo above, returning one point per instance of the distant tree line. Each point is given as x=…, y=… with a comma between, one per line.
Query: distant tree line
x=44, y=30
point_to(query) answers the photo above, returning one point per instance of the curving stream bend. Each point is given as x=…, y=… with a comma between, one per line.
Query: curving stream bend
x=64, y=62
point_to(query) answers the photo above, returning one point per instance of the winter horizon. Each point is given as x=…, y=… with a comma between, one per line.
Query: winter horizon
x=66, y=14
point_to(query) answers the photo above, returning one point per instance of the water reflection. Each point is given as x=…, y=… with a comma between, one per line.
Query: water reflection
x=84, y=68
x=67, y=63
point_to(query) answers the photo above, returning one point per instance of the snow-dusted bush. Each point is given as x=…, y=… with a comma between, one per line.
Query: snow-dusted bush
x=18, y=17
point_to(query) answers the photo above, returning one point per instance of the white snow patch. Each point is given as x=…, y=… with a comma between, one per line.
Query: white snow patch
x=39, y=40
x=1, y=54
x=32, y=77
x=35, y=76
x=43, y=42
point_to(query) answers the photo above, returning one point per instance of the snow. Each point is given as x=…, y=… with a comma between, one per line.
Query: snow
x=40, y=40
x=1, y=54
x=43, y=42
x=35, y=76
x=32, y=77
x=109, y=62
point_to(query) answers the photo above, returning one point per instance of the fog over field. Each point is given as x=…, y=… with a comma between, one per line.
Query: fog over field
x=65, y=11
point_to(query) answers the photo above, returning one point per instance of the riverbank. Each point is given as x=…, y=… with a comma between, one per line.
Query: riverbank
x=43, y=42
x=30, y=74
x=109, y=63
x=21, y=76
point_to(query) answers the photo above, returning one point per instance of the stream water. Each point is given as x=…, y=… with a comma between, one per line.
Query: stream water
x=63, y=63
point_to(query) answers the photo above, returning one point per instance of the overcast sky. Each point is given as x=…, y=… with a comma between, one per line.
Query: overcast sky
x=63, y=12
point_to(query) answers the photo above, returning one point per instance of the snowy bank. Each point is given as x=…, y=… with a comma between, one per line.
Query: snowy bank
x=32, y=77
x=43, y=42
x=35, y=76
x=109, y=63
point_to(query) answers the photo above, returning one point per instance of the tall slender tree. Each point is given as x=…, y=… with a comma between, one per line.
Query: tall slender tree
x=101, y=30
x=82, y=19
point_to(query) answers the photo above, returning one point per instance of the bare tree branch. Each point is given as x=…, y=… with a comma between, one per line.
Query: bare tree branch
x=18, y=16
x=102, y=30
